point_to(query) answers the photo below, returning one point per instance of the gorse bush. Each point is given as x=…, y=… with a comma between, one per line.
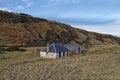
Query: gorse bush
x=2, y=49
x=22, y=50
x=15, y=48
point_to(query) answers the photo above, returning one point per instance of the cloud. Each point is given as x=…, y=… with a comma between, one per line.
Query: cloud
x=56, y=2
x=86, y=21
x=113, y=29
x=17, y=5
x=28, y=2
x=6, y=9
x=20, y=7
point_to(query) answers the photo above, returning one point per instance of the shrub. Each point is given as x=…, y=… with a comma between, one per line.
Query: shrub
x=2, y=49
x=22, y=50
x=15, y=48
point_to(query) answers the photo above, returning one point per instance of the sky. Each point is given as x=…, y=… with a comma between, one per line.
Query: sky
x=101, y=16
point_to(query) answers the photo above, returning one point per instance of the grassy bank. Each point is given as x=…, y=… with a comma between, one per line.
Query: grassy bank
x=99, y=63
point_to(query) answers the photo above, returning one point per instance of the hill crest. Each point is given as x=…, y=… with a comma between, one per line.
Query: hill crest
x=19, y=29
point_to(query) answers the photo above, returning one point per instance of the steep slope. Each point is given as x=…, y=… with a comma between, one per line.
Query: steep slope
x=19, y=29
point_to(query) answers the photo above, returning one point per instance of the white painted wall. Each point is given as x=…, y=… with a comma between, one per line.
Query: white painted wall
x=52, y=55
x=66, y=54
x=61, y=54
x=57, y=55
x=48, y=55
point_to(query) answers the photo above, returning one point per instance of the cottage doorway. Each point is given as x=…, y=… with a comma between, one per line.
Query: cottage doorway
x=59, y=54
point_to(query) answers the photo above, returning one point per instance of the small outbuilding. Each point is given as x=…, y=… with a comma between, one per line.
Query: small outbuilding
x=74, y=48
x=54, y=51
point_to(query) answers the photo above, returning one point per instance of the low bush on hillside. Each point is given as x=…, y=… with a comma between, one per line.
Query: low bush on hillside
x=2, y=49
x=15, y=48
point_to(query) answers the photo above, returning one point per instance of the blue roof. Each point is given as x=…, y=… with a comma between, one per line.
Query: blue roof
x=56, y=47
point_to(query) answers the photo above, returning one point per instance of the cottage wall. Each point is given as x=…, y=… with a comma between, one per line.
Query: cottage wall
x=66, y=54
x=48, y=55
x=52, y=55
x=57, y=55
x=74, y=48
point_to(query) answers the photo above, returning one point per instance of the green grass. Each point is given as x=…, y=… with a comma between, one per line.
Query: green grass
x=99, y=63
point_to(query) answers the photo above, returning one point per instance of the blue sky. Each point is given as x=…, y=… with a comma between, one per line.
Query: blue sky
x=94, y=15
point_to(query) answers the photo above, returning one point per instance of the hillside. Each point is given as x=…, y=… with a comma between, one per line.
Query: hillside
x=19, y=29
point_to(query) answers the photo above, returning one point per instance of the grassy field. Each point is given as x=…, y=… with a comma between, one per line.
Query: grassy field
x=99, y=63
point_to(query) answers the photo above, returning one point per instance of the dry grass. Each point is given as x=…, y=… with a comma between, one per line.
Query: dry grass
x=97, y=66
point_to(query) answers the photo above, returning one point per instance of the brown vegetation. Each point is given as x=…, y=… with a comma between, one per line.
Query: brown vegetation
x=100, y=63
x=18, y=29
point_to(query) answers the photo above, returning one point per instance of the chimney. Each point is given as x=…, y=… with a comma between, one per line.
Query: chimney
x=48, y=45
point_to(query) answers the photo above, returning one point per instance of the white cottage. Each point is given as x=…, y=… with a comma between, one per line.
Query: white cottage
x=54, y=51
